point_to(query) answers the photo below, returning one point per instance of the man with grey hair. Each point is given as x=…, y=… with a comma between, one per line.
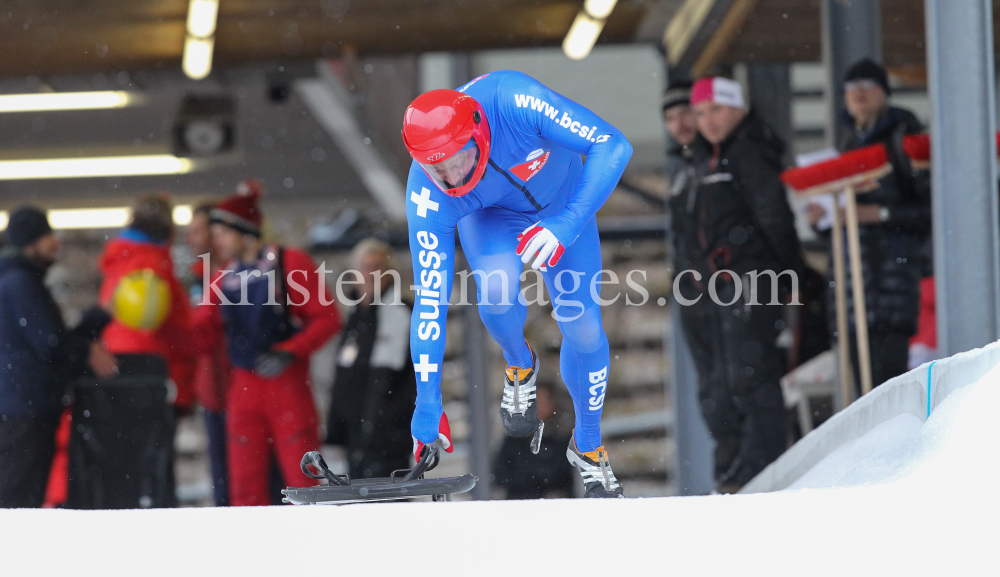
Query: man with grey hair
x=375, y=386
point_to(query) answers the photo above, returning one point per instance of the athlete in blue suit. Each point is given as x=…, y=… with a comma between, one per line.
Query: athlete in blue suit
x=502, y=159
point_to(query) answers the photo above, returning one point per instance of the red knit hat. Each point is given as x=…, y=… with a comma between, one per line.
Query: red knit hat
x=241, y=211
x=718, y=90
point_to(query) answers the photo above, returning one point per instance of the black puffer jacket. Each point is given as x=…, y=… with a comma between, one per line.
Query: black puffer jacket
x=374, y=390
x=684, y=173
x=893, y=254
x=737, y=217
x=38, y=354
x=682, y=167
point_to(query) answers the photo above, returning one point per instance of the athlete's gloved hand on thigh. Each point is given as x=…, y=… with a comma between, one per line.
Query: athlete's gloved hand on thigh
x=272, y=363
x=430, y=424
x=540, y=240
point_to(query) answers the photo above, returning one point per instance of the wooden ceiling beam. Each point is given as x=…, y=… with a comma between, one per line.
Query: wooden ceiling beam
x=722, y=39
x=67, y=36
x=683, y=27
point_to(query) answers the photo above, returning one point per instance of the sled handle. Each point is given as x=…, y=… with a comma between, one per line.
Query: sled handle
x=316, y=460
x=428, y=460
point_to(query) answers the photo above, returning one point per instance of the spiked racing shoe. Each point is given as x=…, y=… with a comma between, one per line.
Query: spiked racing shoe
x=518, y=409
x=594, y=467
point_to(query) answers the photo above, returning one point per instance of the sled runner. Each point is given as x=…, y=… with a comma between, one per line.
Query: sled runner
x=401, y=484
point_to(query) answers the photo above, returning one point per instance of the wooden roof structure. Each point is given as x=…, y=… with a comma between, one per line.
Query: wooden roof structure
x=42, y=37
x=705, y=34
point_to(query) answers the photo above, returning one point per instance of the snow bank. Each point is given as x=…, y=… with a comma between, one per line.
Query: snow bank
x=908, y=498
x=918, y=392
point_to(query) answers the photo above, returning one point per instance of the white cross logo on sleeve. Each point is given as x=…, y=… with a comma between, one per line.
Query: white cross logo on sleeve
x=425, y=367
x=534, y=165
x=423, y=202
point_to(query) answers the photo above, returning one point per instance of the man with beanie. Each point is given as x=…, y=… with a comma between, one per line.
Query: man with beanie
x=679, y=120
x=678, y=117
x=38, y=358
x=275, y=312
x=687, y=145
x=732, y=254
x=895, y=224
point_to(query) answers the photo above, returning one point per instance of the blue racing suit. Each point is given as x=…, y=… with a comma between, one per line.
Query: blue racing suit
x=536, y=174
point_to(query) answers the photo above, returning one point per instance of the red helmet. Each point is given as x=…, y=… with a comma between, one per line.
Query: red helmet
x=447, y=134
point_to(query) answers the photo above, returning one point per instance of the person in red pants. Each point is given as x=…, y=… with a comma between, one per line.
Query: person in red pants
x=275, y=311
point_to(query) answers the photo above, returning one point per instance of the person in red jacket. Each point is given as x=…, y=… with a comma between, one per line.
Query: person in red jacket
x=145, y=244
x=211, y=372
x=275, y=311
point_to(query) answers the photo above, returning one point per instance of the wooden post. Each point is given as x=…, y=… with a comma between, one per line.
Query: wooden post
x=840, y=290
x=858, y=290
x=847, y=186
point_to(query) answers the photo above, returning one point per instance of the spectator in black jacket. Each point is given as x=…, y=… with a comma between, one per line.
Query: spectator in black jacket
x=736, y=233
x=679, y=120
x=375, y=386
x=38, y=357
x=895, y=224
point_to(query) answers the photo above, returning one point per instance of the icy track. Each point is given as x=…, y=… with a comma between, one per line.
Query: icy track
x=908, y=498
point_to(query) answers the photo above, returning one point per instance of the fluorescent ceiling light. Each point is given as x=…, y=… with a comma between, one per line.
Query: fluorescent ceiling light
x=202, y=15
x=200, y=41
x=599, y=9
x=197, y=63
x=65, y=101
x=90, y=167
x=581, y=36
x=88, y=218
x=183, y=214
x=62, y=219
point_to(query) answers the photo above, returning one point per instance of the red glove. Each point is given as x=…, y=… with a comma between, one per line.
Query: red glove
x=539, y=240
x=444, y=437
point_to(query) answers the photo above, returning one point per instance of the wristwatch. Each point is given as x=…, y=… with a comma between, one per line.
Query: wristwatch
x=884, y=214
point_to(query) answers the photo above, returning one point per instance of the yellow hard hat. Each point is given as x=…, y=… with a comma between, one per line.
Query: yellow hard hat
x=141, y=300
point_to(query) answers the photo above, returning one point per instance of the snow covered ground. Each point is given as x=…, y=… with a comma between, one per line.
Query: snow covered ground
x=908, y=498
